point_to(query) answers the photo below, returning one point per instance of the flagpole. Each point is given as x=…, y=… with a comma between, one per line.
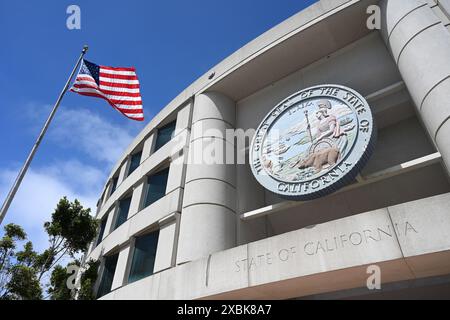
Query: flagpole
x=24, y=169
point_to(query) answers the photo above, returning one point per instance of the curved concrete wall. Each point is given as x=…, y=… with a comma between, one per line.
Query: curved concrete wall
x=420, y=45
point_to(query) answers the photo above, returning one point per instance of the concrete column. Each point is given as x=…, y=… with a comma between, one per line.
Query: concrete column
x=184, y=118
x=120, y=275
x=111, y=218
x=209, y=205
x=147, y=149
x=165, y=253
x=123, y=171
x=177, y=173
x=136, y=199
x=420, y=45
x=107, y=193
x=445, y=6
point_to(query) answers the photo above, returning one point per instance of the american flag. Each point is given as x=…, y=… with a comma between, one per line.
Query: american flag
x=118, y=86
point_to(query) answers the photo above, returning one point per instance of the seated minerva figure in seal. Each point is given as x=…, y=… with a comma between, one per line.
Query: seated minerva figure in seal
x=327, y=144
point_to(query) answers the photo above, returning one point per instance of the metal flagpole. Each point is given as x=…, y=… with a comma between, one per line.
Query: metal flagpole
x=24, y=169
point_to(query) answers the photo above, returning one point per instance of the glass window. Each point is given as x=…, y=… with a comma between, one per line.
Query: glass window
x=122, y=214
x=114, y=185
x=143, y=256
x=135, y=161
x=108, y=275
x=102, y=230
x=156, y=187
x=164, y=135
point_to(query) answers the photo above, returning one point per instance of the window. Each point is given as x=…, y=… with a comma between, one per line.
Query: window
x=135, y=161
x=164, y=135
x=156, y=187
x=102, y=230
x=122, y=214
x=108, y=275
x=143, y=256
x=113, y=185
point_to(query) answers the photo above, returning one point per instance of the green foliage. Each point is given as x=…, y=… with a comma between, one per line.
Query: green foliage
x=23, y=284
x=8, y=243
x=13, y=233
x=88, y=279
x=58, y=289
x=27, y=256
x=58, y=284
x=74, y=224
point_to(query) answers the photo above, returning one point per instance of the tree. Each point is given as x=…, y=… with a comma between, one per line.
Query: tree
x=70, y=232
x=8, y=243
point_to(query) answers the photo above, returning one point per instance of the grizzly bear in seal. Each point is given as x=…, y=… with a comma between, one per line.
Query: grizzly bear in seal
x=320, y=158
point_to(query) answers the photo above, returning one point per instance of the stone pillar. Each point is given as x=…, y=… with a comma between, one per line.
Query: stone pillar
x=208, y=218
x=445, y=6
x=420, y=46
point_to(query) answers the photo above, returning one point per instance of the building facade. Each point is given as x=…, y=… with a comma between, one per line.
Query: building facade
x=176, y=227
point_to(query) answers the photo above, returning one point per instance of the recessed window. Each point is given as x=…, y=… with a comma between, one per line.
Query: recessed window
x=144, y=255
x=122, y=214
x=107, y=275
x=156, y=187
x=164, y=135
x=135, y=161
x=113, y=185
x=102, y=230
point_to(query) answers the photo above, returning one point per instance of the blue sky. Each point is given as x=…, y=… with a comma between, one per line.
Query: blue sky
x=171, y=43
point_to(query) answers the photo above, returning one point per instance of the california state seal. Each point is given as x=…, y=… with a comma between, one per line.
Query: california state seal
x=313, y=142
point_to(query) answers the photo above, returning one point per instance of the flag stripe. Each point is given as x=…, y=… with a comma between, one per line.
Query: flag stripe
x=117, y=94
x=117, y=76
x=137, y=107
x=124, y=102
x=118, y=85
x=118, y=69
x=131, y=111
x=84, y=78
x=114, y=98
x=134, y=113
x=117, y=81
x=115, y=72
x=119, y=89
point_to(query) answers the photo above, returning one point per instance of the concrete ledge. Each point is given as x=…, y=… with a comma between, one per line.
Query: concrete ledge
x=323, y=258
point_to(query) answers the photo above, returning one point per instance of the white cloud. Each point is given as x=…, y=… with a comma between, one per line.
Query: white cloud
x=37, y=197
x=86, y=131
x=92, y=134
x=79, y=176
